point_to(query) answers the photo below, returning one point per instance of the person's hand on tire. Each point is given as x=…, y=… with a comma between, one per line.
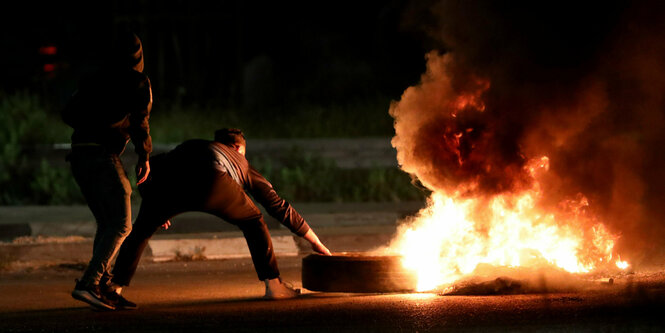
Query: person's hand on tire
x=317, y=246
x=320, y=249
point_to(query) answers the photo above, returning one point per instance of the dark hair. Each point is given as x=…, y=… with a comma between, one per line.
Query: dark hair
x=230, y=136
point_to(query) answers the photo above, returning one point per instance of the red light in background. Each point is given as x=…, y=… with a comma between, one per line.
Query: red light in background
x=49, y=68
x=48, y=50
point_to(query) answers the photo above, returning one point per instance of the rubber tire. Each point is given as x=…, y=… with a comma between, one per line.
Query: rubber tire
x=355, y=272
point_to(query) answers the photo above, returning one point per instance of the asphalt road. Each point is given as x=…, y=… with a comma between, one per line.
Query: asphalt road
x=224, y=295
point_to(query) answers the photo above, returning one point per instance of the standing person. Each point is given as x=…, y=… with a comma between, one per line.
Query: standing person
x=212, y=177
x=109, y=108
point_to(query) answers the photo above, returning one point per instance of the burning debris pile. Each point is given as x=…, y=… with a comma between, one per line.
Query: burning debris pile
x=539, y=132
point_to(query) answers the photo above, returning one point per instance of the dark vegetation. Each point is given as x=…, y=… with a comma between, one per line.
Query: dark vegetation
x=273, y=69
x=29, y=178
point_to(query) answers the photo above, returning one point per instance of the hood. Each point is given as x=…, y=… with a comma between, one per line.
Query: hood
x=127, y=51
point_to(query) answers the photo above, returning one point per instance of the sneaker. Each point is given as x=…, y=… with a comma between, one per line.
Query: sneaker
x=91, y=295
x=278, y=289
x=119, y=301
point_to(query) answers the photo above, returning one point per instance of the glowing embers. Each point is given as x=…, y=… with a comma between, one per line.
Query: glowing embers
x=452, y=236
x=622, y=264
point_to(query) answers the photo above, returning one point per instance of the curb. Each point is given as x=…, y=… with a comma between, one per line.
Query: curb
x=184, y=247
x=63, y=221
x=48, y=235
x=214, y=248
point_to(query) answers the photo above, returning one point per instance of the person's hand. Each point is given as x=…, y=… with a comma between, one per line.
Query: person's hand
x=166, y=225
x=317, y=246
x=142, y=171
x=321, y=249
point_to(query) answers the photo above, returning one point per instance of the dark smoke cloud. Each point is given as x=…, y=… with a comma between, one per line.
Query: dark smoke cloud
x=583, y=84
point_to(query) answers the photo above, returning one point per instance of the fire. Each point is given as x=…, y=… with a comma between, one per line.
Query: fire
x=480, y=151
x=622, y=264
x=449, y=238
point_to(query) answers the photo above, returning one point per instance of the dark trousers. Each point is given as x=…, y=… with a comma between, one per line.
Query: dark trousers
x=221, y=196
x=105, y=186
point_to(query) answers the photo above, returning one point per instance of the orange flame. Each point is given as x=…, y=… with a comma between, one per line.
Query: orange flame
x=456, y=233
x=451, y=236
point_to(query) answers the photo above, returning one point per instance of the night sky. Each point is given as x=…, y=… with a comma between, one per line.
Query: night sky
x=221, y=52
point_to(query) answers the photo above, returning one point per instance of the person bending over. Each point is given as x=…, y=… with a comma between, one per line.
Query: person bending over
x=212, y=177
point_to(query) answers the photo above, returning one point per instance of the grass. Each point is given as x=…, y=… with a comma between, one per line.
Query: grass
x=25, y=121
x=309, y=178
x=366, y=119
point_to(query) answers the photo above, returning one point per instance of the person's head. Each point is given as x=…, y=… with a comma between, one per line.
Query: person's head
x=126, y=50
x=231, y=137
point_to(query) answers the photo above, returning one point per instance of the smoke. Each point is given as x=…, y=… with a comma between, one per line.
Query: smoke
x=491, y=280
x=580, y=83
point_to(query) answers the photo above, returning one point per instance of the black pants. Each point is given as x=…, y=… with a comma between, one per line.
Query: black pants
x=220, y=196
x=106, y=189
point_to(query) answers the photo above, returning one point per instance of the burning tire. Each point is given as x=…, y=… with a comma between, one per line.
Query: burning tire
x=355, y=272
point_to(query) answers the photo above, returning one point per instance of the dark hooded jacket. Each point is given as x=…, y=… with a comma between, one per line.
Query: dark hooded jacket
x=113, y=105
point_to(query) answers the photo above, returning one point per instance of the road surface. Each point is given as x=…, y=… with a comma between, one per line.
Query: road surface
x=225, y=295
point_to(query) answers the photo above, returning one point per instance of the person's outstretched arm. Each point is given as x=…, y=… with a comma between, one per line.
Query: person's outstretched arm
x=280, y=209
